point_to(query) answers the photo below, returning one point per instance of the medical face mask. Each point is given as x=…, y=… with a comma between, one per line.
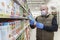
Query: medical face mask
x=43, y=13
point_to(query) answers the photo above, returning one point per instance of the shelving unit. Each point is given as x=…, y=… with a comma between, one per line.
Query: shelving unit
x=14, y=22
x=22, y=3
x=17, y=35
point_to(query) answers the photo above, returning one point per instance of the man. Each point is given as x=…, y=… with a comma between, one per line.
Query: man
x=50, y=24
x=46, y=24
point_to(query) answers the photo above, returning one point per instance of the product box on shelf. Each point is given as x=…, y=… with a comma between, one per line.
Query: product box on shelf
x=25, y=37
x=16, y=9
x=26, y=23
x=27, y=33
x=5, y=31
x=24, y=13
x=18, y=26
x=12, y=25
x=21, y=37
x=2, y=8
x=11, y=28
x=22, y=24
x=9, y=6
x=21, y=11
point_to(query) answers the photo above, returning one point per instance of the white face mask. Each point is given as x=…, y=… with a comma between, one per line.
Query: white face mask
x=43, y=13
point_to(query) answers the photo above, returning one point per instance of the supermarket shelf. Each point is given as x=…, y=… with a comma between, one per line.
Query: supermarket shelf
x=23, y=6
x=15, y=17
x=17, y=35
x=20, y=3
x=5, y=19
x=11, y=17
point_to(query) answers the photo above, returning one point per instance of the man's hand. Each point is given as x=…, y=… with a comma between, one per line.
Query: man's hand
x=39, y=25
x=33, y=22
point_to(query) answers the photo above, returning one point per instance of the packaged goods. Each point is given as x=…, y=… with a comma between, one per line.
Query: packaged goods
x=22, y=24
x=2, y=7
x=18, y=26
x=17, y=11
x=5, y=31
x=6, y=8
x=21, y=11
x=9, y=6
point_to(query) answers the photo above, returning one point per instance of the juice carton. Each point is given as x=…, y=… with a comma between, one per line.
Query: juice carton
x=22, y=24
x=5, y=31
x=18, y=26
x=15, y=7
x=12, y=28
x=2, y=7
x=17, y=10
x=21, y=11
x=9, y=6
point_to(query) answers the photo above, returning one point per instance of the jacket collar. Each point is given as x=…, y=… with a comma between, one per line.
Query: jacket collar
x=46, y=16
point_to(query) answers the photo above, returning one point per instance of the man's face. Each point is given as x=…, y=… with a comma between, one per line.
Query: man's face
x=44, y=10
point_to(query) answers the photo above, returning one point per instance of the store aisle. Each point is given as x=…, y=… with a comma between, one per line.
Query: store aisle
x=57, y=35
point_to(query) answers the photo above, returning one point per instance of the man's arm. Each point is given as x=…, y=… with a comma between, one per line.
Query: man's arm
x=54, y=26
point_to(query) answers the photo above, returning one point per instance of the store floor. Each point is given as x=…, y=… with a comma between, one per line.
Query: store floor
x=56, y=34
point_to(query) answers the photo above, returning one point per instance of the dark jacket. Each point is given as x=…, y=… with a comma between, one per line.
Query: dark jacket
x=54, y=26
x=50, y=26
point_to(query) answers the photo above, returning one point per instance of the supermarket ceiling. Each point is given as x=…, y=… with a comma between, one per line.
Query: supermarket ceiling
x=34, y=5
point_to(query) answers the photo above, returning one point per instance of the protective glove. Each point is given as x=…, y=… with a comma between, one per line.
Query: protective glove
x=39, y=25
x=31, y=22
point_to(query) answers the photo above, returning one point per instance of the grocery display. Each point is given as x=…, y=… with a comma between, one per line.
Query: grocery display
x=12, y=28
x=25, y=35
x=6, y=8
x=12, y=9
x=14, y=22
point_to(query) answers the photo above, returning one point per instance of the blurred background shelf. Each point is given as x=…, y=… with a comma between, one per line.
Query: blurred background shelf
x=21, y=2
